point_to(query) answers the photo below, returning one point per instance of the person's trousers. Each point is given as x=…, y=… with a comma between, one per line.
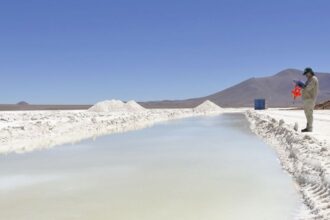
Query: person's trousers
x=309, y=105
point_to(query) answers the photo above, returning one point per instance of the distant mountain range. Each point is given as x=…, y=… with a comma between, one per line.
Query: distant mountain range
x=275, y=89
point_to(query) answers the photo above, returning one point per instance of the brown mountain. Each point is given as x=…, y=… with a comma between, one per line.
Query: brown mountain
x=324, y=105
x=275, y=89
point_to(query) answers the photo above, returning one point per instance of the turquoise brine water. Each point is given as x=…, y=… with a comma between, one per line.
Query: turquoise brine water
x=208, y=168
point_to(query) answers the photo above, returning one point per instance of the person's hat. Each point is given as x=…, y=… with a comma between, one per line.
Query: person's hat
x=308, y=70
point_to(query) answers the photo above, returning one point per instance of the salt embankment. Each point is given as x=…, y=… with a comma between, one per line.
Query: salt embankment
x=25, y=131
x=301, y=155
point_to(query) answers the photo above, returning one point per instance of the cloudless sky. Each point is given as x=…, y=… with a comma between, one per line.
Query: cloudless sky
x=83, y=51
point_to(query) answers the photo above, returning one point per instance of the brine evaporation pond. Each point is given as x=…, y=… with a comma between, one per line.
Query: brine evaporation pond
x=206, y=168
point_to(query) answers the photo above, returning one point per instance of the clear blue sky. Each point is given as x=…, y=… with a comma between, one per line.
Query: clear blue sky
x=83, y=51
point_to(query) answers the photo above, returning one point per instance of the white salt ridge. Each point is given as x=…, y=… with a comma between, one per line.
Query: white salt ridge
x=208, y=106
x=116, y=106
x=25, y=131
x=304, y=157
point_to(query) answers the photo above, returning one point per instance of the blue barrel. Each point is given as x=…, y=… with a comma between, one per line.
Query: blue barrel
x=259, y=104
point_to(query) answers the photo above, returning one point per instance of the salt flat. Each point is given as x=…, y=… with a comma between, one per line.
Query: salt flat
x=306, y=157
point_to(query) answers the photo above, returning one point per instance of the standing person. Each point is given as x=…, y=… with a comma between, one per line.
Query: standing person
x=309, y=95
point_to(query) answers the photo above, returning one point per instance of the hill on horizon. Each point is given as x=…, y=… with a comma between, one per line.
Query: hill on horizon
x=22, y=103
x=275, y=89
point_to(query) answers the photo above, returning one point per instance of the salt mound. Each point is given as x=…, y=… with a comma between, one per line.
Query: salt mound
x=208, y=106
x=116, y=106
x=134, y=106
x=108, y=106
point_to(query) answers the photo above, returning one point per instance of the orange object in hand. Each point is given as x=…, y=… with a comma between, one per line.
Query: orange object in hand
x=296, y=92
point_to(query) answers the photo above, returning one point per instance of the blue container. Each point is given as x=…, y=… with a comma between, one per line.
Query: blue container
x=259, y=104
